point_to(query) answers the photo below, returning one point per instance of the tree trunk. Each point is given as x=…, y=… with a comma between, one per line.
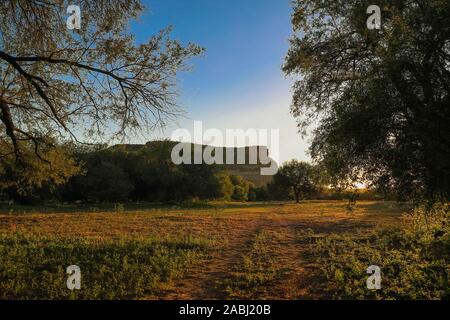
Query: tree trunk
x=297, y=196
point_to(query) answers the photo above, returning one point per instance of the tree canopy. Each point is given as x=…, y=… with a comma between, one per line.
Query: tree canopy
x=295, y=177
x=381, y=97
x=88, y=85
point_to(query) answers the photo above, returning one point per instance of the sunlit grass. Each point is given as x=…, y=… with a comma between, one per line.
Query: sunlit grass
x=34, y=267
x=253, y=246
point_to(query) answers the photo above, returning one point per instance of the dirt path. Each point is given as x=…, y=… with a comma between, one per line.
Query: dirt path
x=257, y=251
x=204, y=281
x=288, y=253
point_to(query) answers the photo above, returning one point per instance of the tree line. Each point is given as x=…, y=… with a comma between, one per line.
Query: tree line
x=137, y=173
x=146, y=173
x=380, y=97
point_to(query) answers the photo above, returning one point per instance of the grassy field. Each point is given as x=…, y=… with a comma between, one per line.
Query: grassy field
x=231, y=251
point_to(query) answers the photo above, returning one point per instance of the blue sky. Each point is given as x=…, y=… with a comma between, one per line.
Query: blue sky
x=237, y=83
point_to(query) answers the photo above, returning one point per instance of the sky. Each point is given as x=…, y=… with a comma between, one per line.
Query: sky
x=237, y=83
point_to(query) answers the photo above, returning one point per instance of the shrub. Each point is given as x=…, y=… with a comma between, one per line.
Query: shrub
x=240, y=194
x=241, y=188
x=226, y=187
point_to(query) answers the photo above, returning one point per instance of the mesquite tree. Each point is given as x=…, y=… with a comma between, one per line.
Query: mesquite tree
x=91, y=84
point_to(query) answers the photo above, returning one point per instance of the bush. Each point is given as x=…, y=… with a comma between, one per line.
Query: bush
x=241, y=188
x=226, y=188
x=258, y=194
x=240, y=194
x=414, y=260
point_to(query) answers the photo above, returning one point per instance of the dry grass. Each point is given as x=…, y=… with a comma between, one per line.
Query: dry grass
x=232, y=229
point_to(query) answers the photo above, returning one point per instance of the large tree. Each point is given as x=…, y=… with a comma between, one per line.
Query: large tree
x=88, y=85
x=297, y=178
x=381, y=97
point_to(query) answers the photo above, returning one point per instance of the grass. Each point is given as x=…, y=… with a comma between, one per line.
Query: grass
x=33, y=267
x=414, y=260
x=256, y=269
x=217, y=251
x=11, y=208
x=216, y=205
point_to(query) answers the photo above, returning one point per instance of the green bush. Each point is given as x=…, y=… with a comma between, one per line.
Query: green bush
x=414, y=260
x=241, y=188
x=226, y=187
x=240, y=194
x=33, y=267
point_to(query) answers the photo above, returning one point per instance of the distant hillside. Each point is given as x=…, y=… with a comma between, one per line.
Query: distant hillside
x=250, y=172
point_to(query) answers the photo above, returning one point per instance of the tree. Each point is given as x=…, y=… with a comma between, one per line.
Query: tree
x=381, y=96
x=17, y=182
x=92, y=84
x=241, y=188
x=226, y=187
x=296, y=177
x=142, y=173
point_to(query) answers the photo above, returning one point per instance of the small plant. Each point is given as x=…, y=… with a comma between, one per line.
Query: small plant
x=414, y=260
x=119, y=207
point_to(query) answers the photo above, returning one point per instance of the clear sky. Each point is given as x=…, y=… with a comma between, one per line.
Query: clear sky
x=237, y=83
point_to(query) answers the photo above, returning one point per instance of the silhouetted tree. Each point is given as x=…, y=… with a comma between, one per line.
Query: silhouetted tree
x=296, y=177
x=381, y=96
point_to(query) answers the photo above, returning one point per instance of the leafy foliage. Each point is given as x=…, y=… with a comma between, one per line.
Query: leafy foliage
x=18, y=178
x=93, y=84
x=381, y=96
x=294, y=177
x=414, y=260
x=34, y=267
x=146, y=173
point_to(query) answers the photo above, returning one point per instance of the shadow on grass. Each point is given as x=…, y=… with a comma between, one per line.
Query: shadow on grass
x=6, y=208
